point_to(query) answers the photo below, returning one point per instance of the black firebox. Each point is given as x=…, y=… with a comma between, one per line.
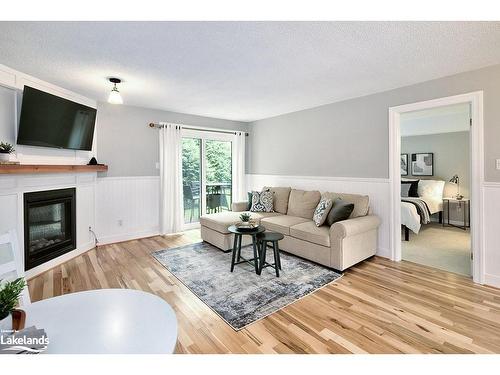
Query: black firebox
x=49, y=225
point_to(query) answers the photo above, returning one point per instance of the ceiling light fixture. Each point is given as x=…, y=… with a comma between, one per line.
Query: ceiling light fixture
x=114, y=95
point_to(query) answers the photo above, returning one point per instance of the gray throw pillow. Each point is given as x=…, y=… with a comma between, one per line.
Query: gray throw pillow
x=249, y=203
x=341, y=210
x=405, y=190
x=262, y=201
x=321, y=211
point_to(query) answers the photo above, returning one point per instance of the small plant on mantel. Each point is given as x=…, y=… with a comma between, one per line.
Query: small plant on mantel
x=9, y=295
x=6, y=148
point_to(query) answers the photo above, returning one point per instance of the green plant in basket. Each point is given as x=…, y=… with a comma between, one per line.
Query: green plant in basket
x=245, y=217
x=10, y=292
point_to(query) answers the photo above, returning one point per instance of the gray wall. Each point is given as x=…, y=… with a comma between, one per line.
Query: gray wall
x=350, y=138
x=130, y=147
x=451, y=156
x=7, y=115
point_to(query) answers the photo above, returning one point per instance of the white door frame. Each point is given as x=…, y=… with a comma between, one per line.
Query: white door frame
x=477, y=173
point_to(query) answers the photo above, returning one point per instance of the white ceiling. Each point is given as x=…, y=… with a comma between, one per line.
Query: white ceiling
x=446, y=119
x=244, y=70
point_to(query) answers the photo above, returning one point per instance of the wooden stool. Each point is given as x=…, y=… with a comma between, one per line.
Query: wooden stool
x=273, y=238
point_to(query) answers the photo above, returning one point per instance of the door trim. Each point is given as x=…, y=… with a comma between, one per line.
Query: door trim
x=477, y=173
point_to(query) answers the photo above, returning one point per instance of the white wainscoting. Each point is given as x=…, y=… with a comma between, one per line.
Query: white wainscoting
x=378, y=189
x=12, y=189
x=127, y=208
x=491, y=233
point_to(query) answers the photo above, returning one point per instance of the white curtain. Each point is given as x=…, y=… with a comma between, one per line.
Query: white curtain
x=239, y=181
x=171, y=204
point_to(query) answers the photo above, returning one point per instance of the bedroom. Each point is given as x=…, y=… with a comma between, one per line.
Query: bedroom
x=435, y=185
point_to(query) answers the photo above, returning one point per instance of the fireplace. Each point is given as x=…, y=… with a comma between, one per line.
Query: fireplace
x=49, y=225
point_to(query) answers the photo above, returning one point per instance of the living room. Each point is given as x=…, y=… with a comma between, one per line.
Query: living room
x=241, y=202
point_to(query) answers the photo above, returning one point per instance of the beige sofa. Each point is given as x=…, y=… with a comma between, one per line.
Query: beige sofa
x=340, y=246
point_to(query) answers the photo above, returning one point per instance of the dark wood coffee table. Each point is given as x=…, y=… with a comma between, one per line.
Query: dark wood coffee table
x=236, y=256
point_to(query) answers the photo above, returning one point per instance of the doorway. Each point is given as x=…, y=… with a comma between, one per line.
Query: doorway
x=206, y=173
x=423, y=164
x=435, y=187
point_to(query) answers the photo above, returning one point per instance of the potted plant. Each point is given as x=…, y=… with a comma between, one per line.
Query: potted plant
x=10, y=292
x=5, y=150
x=245, y=220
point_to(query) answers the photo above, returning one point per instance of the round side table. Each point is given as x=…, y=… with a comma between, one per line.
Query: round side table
x=272, y=238
x=236, y=255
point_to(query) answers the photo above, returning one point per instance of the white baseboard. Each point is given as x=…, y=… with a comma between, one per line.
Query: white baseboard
x=384, y=253
x=129, y=236
x=492, y=280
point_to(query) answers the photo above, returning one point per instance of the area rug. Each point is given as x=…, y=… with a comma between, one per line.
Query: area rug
x=242, y=297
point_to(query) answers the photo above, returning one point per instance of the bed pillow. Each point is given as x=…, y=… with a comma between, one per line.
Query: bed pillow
x=405, y=190
x=262, y=201
x=341, y=210
x=321, y=211
x=411, y=187
x=431, y=189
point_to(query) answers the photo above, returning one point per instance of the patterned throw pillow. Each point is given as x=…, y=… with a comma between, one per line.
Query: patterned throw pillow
x=322, y=210
x=262, y=201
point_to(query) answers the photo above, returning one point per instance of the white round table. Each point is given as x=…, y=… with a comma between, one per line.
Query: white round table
x=106, y=321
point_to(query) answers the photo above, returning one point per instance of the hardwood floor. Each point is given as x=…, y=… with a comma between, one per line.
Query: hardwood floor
x=378, y=306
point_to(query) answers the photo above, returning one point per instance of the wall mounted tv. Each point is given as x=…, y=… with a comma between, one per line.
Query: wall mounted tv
x=51, y=121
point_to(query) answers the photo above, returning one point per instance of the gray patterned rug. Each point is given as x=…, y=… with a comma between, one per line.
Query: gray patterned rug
x=242, y=297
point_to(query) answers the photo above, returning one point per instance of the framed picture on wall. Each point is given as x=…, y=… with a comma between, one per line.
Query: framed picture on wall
x=422, y=164
x=404, y=164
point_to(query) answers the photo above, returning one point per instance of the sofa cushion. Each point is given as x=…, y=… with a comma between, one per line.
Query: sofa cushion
x=361, y=202
x=282, y=223
x=309, y=232
x=281, y=196
x=222, y=220
x=303, y=203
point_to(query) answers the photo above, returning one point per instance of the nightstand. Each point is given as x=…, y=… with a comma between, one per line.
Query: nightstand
x=466, y=210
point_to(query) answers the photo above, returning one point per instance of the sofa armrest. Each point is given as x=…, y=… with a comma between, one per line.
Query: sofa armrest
x=351, y=227
x=239, y=206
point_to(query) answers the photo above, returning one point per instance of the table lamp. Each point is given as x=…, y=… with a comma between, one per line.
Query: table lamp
x=456, y=180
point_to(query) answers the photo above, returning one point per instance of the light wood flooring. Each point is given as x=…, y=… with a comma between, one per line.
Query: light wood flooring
x=378, y=306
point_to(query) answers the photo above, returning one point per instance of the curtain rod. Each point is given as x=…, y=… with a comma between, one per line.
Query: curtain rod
x=158, y=126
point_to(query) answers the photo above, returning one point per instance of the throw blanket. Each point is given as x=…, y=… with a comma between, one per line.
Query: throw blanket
x=422, y=208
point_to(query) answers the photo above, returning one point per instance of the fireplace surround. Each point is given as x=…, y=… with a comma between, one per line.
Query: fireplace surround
x=49, y=225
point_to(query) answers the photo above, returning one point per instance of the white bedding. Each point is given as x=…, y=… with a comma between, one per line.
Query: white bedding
x=410, y=217
x=434, y=204
x=431, y=192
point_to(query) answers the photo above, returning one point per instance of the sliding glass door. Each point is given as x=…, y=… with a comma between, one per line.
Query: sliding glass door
x=207, y=174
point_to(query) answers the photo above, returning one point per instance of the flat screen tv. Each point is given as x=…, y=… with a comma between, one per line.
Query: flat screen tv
x=51, y=121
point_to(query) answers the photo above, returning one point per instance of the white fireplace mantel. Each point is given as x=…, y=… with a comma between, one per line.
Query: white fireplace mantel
x=12, y=189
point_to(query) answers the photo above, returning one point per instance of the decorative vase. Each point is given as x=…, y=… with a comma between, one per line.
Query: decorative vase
x=4, y=156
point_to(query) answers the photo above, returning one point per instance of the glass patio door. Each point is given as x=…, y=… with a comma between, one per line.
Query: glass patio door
x=207, y=174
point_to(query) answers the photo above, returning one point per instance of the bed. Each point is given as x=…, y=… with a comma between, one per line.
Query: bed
x=417, y=211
